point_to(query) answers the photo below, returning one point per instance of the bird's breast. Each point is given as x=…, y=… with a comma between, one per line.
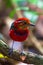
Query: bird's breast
x=19, y=35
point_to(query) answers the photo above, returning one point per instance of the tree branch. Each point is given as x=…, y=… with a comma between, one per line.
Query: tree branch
x=29, y=57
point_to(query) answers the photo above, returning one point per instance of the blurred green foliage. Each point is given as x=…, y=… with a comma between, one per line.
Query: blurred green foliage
x=8, y=3
x=11, y=14
x=21, y=6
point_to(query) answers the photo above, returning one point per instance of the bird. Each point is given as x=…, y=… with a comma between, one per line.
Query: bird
x=19, y=30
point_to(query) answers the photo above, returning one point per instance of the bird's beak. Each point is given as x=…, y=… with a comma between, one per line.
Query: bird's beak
x=31, y=24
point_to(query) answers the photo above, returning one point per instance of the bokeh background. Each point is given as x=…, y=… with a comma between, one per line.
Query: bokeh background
x=10, y=10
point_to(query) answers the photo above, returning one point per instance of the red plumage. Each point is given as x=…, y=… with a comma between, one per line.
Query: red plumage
x=19, y=34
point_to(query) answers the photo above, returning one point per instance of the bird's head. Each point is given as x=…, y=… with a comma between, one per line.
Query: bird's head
x=23, y=23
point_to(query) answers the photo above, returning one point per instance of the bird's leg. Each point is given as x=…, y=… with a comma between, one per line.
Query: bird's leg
x=11, y=49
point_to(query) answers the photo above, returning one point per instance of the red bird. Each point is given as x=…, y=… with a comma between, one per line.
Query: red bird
x=19, y=29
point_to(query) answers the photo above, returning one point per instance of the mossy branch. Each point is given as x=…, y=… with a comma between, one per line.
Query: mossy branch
x=26, y=57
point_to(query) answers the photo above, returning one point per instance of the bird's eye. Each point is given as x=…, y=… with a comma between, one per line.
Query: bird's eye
x=23, y=22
